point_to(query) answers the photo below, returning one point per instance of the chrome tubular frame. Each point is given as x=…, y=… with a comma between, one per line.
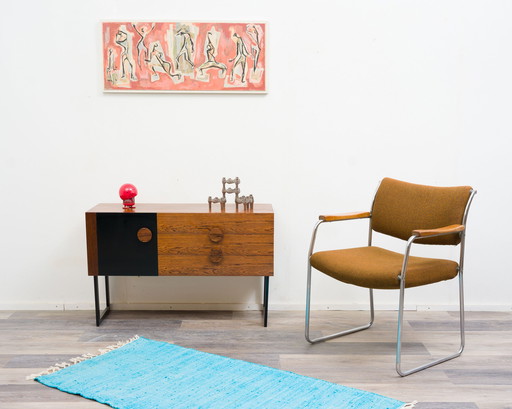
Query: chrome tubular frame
x=402, y=278
x=308, y=298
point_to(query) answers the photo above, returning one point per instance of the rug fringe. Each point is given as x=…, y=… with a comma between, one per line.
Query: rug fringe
x=78, y=359
x=409, y=405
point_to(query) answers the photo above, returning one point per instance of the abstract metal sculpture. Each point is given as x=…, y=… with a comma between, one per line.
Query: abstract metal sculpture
x=247, y=201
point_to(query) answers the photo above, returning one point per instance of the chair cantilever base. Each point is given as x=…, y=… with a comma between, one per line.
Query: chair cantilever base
x=427, y=365
x=399, y=332
x=337, y=334
x=437, y=361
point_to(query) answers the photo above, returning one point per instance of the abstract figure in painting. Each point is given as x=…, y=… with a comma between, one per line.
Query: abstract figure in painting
x=122, y=41
x=240, y=58
x=157, y=60
x=256, y=49
x=111, y=67
x=141, y=46
x=211, y=62
x=187, y=47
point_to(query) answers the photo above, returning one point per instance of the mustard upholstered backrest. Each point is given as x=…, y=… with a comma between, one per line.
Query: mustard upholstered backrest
x=401, y=207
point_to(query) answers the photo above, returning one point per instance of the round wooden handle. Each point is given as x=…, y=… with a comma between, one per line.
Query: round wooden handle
x=216, y=256
x=216, y=234
x=144, y=234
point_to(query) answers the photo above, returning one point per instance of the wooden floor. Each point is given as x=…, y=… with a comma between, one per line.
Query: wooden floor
x=481, y=378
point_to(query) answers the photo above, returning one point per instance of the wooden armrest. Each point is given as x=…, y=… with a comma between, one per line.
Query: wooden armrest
x=345, y=216
x=454, y=228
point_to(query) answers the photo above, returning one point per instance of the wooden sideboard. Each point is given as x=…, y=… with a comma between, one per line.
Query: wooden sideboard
x=179, y=240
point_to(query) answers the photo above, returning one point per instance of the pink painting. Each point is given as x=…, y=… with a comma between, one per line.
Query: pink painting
x=214, y=57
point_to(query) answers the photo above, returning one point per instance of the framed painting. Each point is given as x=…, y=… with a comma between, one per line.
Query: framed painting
x=184, y=57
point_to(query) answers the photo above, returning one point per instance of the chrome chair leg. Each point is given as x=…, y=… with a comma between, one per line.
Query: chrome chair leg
x=338, y=334
x=399, y=333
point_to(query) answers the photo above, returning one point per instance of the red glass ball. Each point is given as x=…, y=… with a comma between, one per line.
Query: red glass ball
x=127, y=191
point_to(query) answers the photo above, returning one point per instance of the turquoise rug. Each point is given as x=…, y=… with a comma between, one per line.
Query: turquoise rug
x=146, y=374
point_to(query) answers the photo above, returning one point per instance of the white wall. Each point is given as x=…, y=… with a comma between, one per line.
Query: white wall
x=414, y=90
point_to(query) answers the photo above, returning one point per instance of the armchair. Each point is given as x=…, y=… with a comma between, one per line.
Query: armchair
x=417, y=214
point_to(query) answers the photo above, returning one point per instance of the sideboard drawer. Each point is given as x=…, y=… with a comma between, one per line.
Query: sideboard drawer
x=193, y=265
x=244, y=223
x=200, y=244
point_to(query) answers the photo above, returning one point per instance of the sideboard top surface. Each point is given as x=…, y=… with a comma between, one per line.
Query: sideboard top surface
x=179, y=208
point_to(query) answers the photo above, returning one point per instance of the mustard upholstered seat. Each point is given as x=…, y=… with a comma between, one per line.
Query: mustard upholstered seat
x=415, y=213
x=375, y=267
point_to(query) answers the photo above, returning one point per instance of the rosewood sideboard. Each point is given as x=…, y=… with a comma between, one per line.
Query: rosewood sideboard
x=179, y=240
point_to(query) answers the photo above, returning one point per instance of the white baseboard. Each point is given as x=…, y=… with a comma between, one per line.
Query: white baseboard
x=187, y=307
x=243, y=307
x=32, y=307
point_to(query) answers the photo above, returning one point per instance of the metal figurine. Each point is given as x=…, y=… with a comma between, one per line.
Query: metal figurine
x=247, y=201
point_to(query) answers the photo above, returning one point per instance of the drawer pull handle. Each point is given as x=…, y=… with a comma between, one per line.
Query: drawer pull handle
x=216, y=235
x=216, y=256
x=144, y=235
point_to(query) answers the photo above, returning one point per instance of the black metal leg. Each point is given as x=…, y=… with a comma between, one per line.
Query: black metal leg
x=100, y=316
x=107, y=291
x=96, y=300
x=265, y=301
